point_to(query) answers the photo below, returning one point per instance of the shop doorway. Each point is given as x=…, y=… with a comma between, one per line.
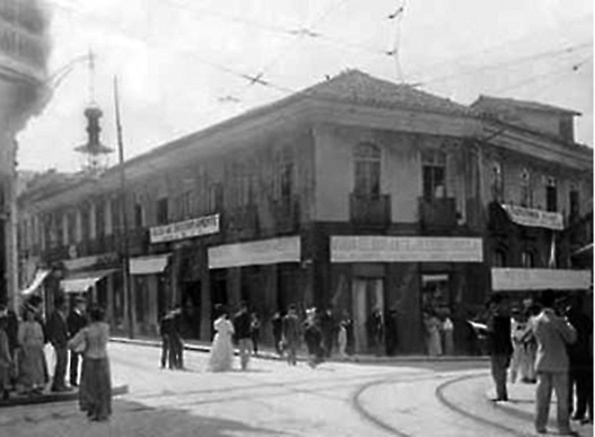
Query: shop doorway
x=191, y=309
x=367, y=296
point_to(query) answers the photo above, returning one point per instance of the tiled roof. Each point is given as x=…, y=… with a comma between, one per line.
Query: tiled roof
x=358, y=87
x=494, y=102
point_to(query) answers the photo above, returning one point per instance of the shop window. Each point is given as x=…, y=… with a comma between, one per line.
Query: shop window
x=162, y=211
x=367, y=158
x=551, y=195
x=435, y=295
x=499, y=258
x=497, y=183
x=526, y=193
x=434, y=174
x=527, y=259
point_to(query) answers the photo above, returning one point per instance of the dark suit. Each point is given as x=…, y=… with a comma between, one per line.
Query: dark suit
x=75, y=322
x=58, y=335
x=500, y=349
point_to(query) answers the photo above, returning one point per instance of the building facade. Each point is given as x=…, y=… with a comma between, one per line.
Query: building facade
x=354, y=195
x=24, y=50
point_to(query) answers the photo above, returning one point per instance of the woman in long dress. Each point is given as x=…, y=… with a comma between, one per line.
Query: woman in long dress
x=31, y=358
x=95, y=393
x=221, y=357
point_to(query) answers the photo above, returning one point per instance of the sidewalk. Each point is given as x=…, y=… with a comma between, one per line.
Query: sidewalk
x=522, y=405
x=270, y=353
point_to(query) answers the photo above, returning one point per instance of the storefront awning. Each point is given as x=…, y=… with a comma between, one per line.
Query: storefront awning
x=149, y=265
x=508, y=279
x=83, y=281
x=534, y=217
x=40, y=275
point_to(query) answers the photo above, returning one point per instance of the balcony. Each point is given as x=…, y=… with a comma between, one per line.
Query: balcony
x=370, y=211
x=437, y=214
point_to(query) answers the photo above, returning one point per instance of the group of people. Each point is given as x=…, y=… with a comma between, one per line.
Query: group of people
x=23, y=366
x=553, y=345
x=172, y=346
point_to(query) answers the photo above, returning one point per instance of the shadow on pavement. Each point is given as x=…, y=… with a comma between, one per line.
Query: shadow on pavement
x=133, y=419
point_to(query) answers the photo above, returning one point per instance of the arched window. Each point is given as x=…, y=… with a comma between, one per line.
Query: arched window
x=497, y=182
x=526, y=193
x=499, y=258
x=367, y=159
x=527, y=259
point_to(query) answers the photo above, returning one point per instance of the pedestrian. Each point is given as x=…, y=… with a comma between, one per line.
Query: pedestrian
x=95, y=394
x=581, y=364
x=553, y=333
x=447, y=333
x=255, y=332
x=375, y=327
x=499, y=344
x=31, y=359
x=242, y=322
x=221, y=356
x=5, y=356
x=291, y=334
x=327, y=329
x=529, y=346
x=57, y=330
x=277, y=327
x=176, y=341
x=77, y=320
x=391, y=334
x=165, y=327
x=517, y=331
x=313, y=337
x=342, y=340
x=432, y=327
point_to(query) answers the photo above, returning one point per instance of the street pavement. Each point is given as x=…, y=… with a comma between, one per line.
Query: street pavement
x=398, y=397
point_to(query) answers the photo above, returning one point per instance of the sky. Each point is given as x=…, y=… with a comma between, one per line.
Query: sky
x=184, y=65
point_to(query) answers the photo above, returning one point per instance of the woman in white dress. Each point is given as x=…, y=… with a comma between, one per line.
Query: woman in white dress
x=221, y=357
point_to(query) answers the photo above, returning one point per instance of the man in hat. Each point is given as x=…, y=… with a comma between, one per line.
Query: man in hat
x=499, y=344
x=242, y=322
x=76, y=321
x=58, y=337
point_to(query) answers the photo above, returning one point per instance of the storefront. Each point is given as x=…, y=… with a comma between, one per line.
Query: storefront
x=401, y=277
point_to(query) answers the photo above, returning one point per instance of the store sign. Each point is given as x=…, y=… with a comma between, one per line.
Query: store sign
x=350, y=249
x=90, y=261
x=534, y=217
x=505, y=279
x=186, y=229
x=273, y=251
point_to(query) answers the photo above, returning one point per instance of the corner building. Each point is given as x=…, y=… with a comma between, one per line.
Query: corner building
x=356, y=194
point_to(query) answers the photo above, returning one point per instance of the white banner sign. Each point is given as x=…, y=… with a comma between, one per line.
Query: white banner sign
x=186, y=229
x=504, y=279
x=351, y=249
x=273, y=251
x=148, y=265
x=534, y=217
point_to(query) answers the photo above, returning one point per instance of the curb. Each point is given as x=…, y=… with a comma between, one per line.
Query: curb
x=50, y=397
x=360, y=359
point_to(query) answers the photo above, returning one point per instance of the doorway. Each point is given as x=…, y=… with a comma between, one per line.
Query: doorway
x=367, y=295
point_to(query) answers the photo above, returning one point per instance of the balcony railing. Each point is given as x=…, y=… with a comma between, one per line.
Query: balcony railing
x=370, y=211
x=438, y=213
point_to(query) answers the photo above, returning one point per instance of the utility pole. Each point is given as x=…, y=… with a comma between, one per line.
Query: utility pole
x=123, y=216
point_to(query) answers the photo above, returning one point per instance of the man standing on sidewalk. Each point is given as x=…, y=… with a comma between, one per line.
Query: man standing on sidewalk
x=76, y=321
x=242, y=321
x=499, y=344
x=553, y=333
x=58, y=336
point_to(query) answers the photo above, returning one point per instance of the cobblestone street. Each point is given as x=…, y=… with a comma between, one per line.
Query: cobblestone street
x=336, y=399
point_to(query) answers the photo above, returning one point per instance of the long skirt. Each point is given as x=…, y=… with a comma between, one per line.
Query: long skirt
x=221, y=357
x=32, y=366
x=95, y=393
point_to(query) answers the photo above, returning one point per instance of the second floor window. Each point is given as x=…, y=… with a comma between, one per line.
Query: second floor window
x=85, y=223
x=434, y=174
x=497, y=182
x=138, y=216
x=100, y=219
x=367, y=160
x=574, y=203
x=551, y=195
x=162, y=211
x=527, y=259
x=526, y=193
